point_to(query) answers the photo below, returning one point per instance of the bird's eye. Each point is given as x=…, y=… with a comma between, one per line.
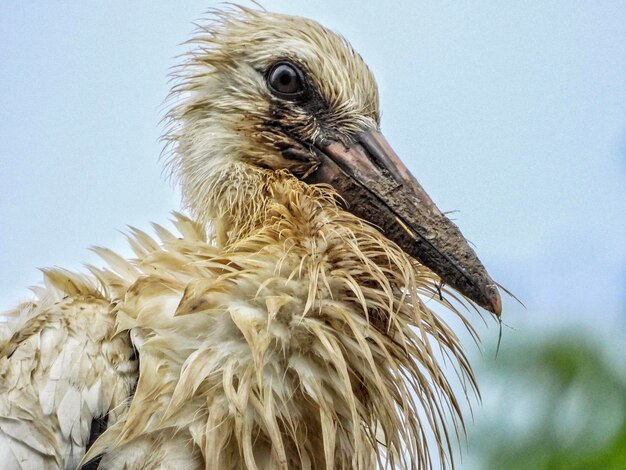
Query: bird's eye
x=286, y=81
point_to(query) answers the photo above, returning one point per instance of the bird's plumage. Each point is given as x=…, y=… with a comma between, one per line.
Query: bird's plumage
x=275, y=330
x=61, y=366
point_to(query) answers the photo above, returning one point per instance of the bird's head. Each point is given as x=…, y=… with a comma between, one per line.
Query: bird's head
x=264, y=94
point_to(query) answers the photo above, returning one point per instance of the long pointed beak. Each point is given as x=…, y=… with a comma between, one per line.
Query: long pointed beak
x=379, y=188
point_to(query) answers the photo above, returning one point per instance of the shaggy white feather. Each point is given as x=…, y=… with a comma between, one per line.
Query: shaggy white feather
x=61, y=366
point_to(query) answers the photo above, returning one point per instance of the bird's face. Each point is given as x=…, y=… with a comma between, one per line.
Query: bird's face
x=273, y=88
x=283, y=93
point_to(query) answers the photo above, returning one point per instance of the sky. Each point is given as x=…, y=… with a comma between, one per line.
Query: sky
x=511, y=113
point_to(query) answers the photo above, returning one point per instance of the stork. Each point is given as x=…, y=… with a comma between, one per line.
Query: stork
x=284, y=324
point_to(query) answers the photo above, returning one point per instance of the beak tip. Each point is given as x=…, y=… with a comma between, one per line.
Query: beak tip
x=494, y=301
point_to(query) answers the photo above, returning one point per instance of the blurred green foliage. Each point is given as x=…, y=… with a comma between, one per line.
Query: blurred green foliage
x=556, y=402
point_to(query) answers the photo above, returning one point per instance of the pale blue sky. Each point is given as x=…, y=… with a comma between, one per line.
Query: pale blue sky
x=514, y=113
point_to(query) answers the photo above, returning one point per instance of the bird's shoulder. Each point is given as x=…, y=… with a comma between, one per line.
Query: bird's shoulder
x=62, y=364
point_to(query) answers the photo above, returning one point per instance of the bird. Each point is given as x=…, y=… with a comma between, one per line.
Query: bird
x=285, y=322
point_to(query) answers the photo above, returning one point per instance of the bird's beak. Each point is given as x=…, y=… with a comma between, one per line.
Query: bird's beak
x=379, y=188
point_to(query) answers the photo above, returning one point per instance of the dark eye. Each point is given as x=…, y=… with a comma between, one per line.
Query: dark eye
x=286, y=81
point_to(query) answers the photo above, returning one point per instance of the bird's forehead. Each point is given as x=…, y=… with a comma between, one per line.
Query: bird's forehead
x=260, y=38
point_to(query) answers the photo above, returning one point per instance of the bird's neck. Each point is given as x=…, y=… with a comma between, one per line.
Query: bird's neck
x=241, y=201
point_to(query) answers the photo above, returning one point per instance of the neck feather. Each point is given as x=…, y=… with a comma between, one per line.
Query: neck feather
x=296, y=339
